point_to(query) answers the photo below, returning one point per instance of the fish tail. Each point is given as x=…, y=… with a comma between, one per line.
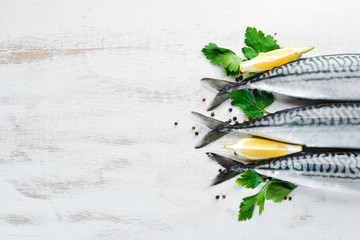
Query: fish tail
x=221, y=86
x=212, y=124
x=227, y=163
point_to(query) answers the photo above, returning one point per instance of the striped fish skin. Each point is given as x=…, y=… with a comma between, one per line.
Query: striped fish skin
x=330, y=77
x=335, y=125
x=329, y=170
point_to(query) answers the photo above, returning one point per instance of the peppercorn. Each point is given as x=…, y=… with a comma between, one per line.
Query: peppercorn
x=220, y=170
x=212, y=114
x=236, y=122
x=175, y=123
x=204, y=99
x=237, y=79
x=229, y=121
x=224, y=196
x=230, y=109
x=235, y=153
x=290, y=198
x=241, y=77
x=193, y=127
x=196, y=133
x=217, y=196
x=232, y=103
x=285, y=198
x=234, y=118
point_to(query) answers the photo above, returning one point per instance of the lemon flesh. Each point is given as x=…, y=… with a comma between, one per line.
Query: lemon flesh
x=259, y=148
x=272, y=59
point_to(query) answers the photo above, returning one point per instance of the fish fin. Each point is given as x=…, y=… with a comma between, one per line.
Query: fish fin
x=212, y=124
x=210, y=137
x=219, y=99
x=222, y=177
x=217, y=83
x=223, y=161
x=226, y=163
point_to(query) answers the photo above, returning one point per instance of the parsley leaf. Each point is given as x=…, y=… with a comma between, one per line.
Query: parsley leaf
x=261, y=203
x=249, y=53
x=263, y=99
x=274, y=189
x=257, y=42
x=278, y=189
x=252, y=102
x=247, y=207
x=223, y=56
x=249, y=179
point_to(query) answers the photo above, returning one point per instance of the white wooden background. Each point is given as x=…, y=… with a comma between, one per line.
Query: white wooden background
x=89, y=92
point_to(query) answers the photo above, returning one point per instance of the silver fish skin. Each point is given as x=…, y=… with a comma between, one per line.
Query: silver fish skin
x=337, y=171
x=330, y=77
x=329, y=125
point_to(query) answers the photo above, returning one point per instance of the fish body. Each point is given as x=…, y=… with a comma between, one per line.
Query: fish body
x=328, y=170
x=330, y=77
x=329, y=125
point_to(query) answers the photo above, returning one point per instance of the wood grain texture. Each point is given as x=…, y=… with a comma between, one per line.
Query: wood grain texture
x=89, y=93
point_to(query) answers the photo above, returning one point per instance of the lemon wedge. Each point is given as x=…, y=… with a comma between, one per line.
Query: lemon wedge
x=259, y=148
x=275, y=58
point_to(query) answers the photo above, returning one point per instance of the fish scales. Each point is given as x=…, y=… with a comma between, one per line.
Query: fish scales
x=333, y=77
x=316, y=65
x=330, y=125
x=332, y=165
x=330, y=77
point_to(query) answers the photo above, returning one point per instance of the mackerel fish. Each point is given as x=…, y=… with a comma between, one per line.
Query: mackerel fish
x=328, y=125
x=339, y=171
x=330, y=77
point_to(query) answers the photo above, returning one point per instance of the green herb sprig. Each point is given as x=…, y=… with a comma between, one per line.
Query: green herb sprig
x=223, y=56
x=252, y=102
x=273, y=189
x=257, y=42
